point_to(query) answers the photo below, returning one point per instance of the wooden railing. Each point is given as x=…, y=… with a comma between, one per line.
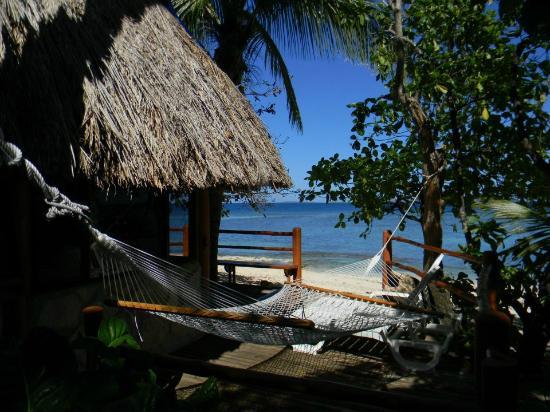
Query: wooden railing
x=293, y=269
x=388, y=280
x=183, y=243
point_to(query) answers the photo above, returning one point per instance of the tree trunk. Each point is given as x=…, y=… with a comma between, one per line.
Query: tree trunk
x=432, y=200
x=432, y=204
x=233, y=39
x=431, y=216
x=432, y=161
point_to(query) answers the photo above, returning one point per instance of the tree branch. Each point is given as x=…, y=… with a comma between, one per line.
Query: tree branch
x=404, y=40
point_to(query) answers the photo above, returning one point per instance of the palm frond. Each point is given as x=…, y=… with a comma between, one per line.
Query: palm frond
x=521, y=220
x=199, y=17
x=319, y=28
x=273, y=60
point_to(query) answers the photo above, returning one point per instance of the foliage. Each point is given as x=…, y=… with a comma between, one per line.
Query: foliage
x=521, y=220
x=462, y=343
x=117, y=382
x=240, y=32
x=464, y=118
x=113, y=332
x=482, y=83
x=527, y=276
x=205, y=396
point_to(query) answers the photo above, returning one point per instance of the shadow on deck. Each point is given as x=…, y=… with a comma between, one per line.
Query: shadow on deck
x=358, y=361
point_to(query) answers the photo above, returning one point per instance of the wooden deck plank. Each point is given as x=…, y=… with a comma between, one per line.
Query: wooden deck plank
x=237, y=355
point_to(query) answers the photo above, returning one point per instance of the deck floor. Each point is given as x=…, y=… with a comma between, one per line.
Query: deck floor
x=361, y=362
x=225, y=352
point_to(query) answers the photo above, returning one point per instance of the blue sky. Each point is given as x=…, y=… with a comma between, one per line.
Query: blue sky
x=324, y=88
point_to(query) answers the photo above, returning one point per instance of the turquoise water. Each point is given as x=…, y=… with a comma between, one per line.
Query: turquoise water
x=323, y=245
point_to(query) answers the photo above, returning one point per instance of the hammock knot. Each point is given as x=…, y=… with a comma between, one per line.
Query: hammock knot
x=104, y=240
x=61, y=205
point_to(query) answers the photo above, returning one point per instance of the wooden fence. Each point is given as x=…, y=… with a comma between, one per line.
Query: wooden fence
x=183, y=243
x=293, y=269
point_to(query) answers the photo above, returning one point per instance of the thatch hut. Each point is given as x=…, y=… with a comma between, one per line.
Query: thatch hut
x=114, y=96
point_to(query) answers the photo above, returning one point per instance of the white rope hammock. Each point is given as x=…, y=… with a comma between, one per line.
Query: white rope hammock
x=375, y=267
x=296, y=314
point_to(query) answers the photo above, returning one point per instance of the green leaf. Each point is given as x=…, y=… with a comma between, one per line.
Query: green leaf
x=485, y=113
x=207, y=392
x=441, y=88
x=126, y=340
x=113, y=332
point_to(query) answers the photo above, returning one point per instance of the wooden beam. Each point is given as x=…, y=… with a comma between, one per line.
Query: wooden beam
x=297, y=252
x=386, y=258
x=185, y=240
x=409, y=268
x=459, y=255
x=204, y=240
x=363, y=298
x=215, y=314
x=256, y=232
x=183, y=243
x=242, y=263
x=275, y=248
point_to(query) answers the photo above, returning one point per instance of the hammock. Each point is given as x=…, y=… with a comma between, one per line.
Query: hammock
x=297, y=314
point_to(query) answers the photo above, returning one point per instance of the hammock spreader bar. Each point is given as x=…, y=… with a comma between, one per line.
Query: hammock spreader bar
x=384, y=302
x=214, y=314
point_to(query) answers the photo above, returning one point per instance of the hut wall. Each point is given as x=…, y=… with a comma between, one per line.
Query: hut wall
x=139, y=218
x=15, y=252
x=61, y=310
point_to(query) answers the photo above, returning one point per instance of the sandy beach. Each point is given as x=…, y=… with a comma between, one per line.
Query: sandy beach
x=347, y=283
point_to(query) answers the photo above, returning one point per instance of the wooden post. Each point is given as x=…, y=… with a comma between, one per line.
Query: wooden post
x=297, y=252
x=387, y=259
x=185, y=240
x=92, y=317
x=204, y=232
x=495, y=369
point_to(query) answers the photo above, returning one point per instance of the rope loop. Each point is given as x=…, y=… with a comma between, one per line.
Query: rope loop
x=12, y=154
x=60, y=205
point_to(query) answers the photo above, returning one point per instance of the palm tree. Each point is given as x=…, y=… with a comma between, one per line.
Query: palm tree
x=517, y=219
x=239, y=33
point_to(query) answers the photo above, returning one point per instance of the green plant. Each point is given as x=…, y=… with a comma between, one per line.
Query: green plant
x=116, y=382
x=526, y=275
x=463, y=117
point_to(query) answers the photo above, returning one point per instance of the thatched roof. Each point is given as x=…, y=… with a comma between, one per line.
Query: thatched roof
x=118, y=91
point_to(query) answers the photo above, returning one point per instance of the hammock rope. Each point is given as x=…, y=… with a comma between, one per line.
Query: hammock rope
x=375, y=266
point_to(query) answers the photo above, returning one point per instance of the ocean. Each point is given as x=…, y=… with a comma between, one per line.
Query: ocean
x=324, y=246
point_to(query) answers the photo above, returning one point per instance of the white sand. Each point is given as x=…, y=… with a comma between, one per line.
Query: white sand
x=347, y=283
